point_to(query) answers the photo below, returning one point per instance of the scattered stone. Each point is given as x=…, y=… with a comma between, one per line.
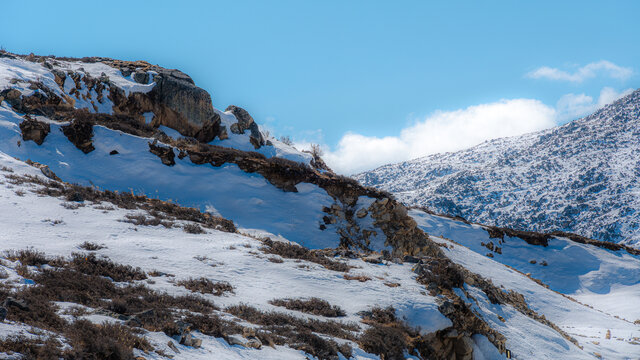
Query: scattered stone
x=362, y=213
x=166, y=154
x=248, y=342
x=46, y=171
x=173, y=347
x=114, y=152
x=34, y=130
x=373, y=258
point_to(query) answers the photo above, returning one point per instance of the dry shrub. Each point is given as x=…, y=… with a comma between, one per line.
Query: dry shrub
x=315, y=306
x=275, y=259
x=29, y=257
x=125, y=200
x=106, y=341
x=32, y=348
x=283, y=329
x=212, y=325
x=206, y=286
x=193, y=229
x=91, y=265
x=90, y=246
x=387, y=336
x=293, y=251
x=385, y=340
x=280, y=320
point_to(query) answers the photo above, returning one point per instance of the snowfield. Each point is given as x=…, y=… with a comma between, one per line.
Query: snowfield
x=583, y=298
x=27, y=222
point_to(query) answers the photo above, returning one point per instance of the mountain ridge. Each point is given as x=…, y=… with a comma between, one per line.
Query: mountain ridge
x=579, y=177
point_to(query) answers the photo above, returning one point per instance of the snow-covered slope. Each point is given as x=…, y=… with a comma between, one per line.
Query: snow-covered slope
x=120, y=161
x=591, y=291
x=581, y=177
x=57, y=228
x=120, y=127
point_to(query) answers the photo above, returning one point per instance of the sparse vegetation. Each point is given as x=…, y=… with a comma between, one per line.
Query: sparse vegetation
x=206, y=286
x=193, y=229
x=286, y=140
x=29, y=257
x=315, y=306
x=298, y=333
x=77, y=196
x=275, y=259
x=82, y=280
x=90, y=246
x=90, y=264
x=293, y=251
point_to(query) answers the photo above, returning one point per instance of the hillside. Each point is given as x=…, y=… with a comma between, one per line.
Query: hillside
x=581, y=177
x=141, y=222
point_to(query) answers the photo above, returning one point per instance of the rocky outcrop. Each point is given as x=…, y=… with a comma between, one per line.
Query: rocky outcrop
x=34, y=130
x=181, y=105
x=246, y=122
x=166, y=154
x=390, y=218
x=80, y=133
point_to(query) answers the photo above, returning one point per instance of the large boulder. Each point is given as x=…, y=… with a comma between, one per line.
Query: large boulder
x=191, y=111
x=246, y=122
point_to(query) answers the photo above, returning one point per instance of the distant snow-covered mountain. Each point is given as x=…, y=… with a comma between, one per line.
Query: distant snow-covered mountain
x=581, y=177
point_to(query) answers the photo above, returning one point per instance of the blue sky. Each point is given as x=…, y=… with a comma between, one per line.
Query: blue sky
x=372, y=81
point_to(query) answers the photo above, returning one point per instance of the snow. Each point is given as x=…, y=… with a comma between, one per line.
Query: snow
x=587, y=323
x=249, y=199
x=608, y=280
x=97, y=69
x=83, y=99
x=215, y=255
x=25, y=71
x=581, y=177
x=591, y=290
x=241, y=142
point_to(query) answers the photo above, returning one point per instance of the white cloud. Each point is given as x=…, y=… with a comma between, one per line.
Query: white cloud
x=603, y=67
x=440, y=132
x=572, y=106
x=460, y=129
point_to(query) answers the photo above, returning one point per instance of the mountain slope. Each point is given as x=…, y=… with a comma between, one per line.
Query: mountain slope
x=178, y=240
x=581, y=177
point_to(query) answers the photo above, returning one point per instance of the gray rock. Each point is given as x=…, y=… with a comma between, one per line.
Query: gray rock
x=249, y=342
x=246, y=122
x=173, y=347
x=46, y=171
x=141, y=77
x=177, y=91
